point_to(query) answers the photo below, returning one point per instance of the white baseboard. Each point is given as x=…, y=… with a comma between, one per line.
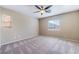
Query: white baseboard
x=17, y=40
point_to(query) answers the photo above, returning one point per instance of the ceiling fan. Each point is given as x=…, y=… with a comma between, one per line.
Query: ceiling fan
x=43, y=9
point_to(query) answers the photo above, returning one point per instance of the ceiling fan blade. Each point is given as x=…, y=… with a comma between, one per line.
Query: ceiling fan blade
x=37, y=7
x=41, y=7
x=41, y=13
x=36, y=11
x=48, y=11
x=48, y=7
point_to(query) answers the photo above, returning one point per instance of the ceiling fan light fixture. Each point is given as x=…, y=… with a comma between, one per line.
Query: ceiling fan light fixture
x=42, y=11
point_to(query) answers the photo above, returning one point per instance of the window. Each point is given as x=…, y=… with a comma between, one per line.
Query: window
x=54, y=24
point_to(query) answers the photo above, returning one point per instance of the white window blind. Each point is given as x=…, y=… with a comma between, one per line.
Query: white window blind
x=54, y=24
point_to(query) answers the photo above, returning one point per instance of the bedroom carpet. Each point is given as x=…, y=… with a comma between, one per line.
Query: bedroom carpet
x=41, y=45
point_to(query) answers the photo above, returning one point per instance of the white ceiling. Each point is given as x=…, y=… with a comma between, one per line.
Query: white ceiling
x=30, y=9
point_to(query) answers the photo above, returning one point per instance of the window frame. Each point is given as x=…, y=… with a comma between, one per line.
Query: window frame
x=55, y=22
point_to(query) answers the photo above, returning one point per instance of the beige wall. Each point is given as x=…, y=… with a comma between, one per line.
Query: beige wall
x=69, y=26
x=23, y=27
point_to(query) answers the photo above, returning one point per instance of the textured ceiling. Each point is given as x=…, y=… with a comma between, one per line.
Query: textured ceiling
x=30, y=9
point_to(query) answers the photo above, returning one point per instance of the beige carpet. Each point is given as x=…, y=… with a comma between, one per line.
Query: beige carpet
x=41, y=45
